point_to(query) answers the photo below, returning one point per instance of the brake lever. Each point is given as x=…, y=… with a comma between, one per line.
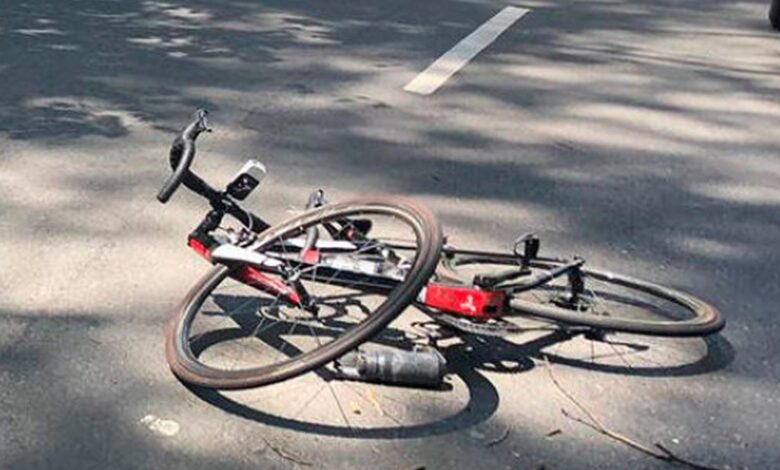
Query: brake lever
x=201, y=124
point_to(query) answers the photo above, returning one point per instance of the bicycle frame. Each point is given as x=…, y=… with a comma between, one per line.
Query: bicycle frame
x=331, y=259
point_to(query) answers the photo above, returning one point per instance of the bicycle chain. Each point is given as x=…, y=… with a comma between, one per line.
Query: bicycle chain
x=498, y=327
x=492, y=327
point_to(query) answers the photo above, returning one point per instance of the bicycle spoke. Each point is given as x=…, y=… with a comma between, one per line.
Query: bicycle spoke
x=289, y=333
x=316, y=336
x=308, y=402
x=620, y=355
x=223, y=319
x=286, y=257
x=374, y=405
x=338, y=403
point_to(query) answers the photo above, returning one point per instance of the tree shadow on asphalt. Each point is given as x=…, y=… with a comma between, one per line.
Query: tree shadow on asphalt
x=68, y=402
x=157, y=61
x=81, y=403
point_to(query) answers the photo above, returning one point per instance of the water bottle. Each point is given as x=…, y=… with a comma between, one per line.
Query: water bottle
x=423, y=366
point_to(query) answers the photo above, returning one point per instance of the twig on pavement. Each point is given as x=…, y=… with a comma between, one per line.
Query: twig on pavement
x=595, y=423
x=287, y=455
x=501, y=438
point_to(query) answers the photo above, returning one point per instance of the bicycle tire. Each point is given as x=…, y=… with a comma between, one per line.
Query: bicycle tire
x=184, y=362
x=704, y=319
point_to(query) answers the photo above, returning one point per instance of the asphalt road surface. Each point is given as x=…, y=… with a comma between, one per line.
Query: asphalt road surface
x=642, y=135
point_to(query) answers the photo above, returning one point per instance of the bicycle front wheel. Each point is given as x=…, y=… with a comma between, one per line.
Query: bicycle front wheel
x=230, y=335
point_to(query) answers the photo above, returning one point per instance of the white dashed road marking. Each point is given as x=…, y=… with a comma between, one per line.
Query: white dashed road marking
x=453, y=60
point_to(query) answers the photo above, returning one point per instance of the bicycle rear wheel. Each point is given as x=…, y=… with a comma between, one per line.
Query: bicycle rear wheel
x=227, y=334
x=610, y=302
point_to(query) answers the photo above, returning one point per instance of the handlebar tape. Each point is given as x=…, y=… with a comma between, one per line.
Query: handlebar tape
x=181, y=156
x=182, y=150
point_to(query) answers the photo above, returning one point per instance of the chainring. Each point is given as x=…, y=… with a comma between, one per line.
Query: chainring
x=492, y=327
